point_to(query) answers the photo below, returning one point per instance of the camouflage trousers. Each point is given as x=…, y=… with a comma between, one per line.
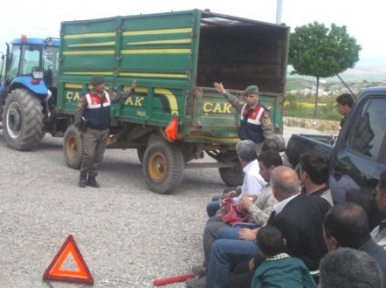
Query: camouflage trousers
x=94, y=145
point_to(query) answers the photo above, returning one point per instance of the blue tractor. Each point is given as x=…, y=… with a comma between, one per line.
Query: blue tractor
x=28, y=91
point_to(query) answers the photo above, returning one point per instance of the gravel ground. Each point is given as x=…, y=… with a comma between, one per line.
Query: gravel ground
x=127, y=235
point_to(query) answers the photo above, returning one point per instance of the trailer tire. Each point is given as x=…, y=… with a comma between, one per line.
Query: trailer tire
x=23, y=120
x=163, y=167
x=73, y=147
x=232, y=176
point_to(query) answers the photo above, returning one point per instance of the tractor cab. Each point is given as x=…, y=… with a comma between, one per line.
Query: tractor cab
x=33, y=63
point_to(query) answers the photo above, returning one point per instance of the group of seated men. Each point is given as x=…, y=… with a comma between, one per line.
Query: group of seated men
x=297, y=230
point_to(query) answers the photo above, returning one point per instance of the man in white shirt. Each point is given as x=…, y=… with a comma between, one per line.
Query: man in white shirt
x=253, y=182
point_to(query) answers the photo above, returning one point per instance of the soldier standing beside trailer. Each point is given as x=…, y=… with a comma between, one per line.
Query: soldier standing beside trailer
x=255, y=121
x=93, y=118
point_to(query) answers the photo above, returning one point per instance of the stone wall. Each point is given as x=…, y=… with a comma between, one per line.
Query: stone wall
x=317, y=124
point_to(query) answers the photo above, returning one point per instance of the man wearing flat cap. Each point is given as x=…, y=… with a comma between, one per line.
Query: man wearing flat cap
x=255, y=120
x=93, y=118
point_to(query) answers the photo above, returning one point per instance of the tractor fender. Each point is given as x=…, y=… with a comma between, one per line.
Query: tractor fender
x=39, y=89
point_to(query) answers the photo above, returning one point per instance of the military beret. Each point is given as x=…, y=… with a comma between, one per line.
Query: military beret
x=253, y=89
x=96, y=80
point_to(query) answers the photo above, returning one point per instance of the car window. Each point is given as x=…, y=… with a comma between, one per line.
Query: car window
x=368, y=136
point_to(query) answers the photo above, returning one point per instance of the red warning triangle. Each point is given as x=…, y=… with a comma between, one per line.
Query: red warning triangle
x=80, y=274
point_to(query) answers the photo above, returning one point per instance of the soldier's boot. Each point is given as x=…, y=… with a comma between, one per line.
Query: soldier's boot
x=82, y=179
x=91, y=181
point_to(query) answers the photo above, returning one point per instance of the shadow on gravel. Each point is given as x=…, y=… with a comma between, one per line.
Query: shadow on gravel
x=209, y=182
x=51, y=144
x=121, y=170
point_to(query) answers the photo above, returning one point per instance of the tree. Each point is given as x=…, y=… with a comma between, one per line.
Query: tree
x=322, y=52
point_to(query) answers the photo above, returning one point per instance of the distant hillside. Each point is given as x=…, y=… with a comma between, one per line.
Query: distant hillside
x=369, y=70
x=297, y=83
x=351, y=75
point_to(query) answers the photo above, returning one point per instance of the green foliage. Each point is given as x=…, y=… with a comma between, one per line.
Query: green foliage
x=292, y=109
x=296, y=106
x=318, y=51
x=329, y=112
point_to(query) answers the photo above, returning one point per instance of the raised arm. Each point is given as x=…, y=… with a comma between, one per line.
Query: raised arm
x=234, y=100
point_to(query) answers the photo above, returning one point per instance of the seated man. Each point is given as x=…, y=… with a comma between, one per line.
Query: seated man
x=298, y=217
x=253, y=182
x=314, y=175
x=212, y=207
x=258, y=211
x=347, y=267
x=346, y=225
x=270, y=144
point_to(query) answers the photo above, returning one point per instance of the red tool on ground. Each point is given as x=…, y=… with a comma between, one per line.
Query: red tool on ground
x=174, y=279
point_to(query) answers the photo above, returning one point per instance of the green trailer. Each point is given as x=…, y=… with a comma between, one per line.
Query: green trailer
x=175, y=115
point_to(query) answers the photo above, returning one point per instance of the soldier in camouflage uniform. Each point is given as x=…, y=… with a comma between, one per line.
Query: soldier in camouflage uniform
x=93, y=118
x=255, y=120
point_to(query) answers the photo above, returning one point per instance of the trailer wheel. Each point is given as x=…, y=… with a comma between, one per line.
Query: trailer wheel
x=23, y=120
x=233, y=176
x=73, y=147
x=163, y=167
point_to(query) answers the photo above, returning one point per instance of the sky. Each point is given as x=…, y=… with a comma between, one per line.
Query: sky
x=364, y=19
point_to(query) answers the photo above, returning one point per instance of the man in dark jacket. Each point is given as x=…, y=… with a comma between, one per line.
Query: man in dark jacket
x=344, y=103
x=93, y=118
x=346, y=225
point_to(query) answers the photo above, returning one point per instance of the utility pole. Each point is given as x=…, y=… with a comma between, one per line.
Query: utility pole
x=279, y=8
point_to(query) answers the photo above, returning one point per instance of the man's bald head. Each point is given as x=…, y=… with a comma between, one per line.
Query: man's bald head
x=285, y=182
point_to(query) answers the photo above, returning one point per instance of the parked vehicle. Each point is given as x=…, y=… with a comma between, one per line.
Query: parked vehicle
x=27, y=94
x=356, y=158
x=175, y=114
